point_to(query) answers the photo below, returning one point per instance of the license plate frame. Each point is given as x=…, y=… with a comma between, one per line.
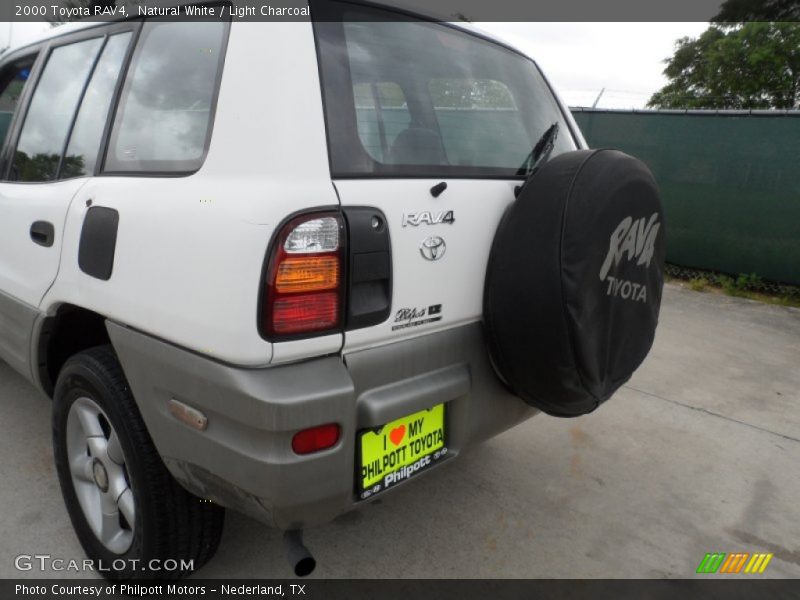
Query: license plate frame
x=423, y=444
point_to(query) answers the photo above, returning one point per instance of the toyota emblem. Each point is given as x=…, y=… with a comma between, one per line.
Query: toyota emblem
x=432, y=248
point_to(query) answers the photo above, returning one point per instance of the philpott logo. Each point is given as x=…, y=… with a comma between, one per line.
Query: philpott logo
x=631, y=240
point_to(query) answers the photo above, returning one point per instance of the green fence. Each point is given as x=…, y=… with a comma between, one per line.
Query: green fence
x=730, y=182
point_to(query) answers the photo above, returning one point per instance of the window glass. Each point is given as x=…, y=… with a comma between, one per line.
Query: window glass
x=163, y=120
x=479, y=122
x=51, y=111
x=381, y=113
x=470, y=107
x=12, y=83
x=84, y=143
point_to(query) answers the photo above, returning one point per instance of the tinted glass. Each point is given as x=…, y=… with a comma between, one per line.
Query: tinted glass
x=469, y=107
x=382, y=113
x=164, y=116
x=84, y=144
x=479, y=121
x=12, y=82
x=51, y=111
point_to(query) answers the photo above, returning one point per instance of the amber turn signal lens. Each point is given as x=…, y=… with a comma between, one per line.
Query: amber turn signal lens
x=307, y=274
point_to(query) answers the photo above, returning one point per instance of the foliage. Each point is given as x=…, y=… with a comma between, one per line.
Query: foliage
x=748, y=282
x=749, y=286
x=741, y=285
x=739, y=11
x=43, y=167
x=698, y=284
x=470, y=94
x=746, y=66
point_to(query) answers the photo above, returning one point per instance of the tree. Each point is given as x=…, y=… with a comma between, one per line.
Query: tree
x=739, y=11
x=746, y=65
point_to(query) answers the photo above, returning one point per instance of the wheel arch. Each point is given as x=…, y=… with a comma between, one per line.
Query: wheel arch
x=68, y=330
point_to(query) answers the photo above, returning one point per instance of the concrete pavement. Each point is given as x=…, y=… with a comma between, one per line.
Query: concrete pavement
x=699, y=453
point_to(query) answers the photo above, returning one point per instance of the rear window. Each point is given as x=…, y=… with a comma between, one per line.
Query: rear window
x=415, y=98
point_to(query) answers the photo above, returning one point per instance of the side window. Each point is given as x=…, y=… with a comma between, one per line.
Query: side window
x=164, y=116
x=87, y=133
x=51, y=111
x=479, y=121
x=12, y=83
x=381, y=114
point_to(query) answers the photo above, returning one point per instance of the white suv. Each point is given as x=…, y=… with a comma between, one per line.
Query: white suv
x=265, y=266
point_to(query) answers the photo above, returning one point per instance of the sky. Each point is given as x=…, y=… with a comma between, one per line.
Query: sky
x=21, y=33
x=580, y=59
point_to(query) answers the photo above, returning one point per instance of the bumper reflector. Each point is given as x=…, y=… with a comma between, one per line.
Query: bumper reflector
x=316, y=438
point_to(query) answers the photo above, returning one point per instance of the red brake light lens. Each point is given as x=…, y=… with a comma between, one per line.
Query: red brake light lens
x=304, y=280
x=305, y=312
x=315, y=439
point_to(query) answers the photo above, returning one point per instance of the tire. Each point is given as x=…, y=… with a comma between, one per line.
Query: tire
x=93, y=406
x=574, y=281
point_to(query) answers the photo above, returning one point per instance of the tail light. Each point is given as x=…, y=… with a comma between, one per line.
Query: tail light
x=304, y=287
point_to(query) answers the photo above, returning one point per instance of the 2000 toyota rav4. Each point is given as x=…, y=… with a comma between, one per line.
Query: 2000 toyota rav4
x=286, y=267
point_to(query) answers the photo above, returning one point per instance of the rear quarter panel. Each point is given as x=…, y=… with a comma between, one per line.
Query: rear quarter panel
x=190, y=249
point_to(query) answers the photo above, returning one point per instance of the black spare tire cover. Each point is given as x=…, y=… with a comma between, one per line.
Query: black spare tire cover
x=574, y=281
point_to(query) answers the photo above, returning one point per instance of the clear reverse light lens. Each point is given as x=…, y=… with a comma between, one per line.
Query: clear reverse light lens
x=317, y=235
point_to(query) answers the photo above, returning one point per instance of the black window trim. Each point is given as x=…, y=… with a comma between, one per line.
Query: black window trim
x=134, y=27
x=327, y=8
x=45, y=50
x=79, y=105
x=21, y=110
x=136, y=48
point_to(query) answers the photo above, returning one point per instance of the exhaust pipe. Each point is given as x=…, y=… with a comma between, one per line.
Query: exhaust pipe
x=299, y=557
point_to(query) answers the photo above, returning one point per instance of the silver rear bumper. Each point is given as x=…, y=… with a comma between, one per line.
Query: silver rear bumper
x=244, y=459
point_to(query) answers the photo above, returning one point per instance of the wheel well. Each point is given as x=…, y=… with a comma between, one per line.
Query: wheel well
x=73, y=329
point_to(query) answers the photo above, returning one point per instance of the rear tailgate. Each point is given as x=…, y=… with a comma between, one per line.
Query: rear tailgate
x=440, y=248
x=431, y=124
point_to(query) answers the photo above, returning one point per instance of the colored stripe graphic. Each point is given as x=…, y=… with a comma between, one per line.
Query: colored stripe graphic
x=711, y=562
x=734, y=563
x=758, y=563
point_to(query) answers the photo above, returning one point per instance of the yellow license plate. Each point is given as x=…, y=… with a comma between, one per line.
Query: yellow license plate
x=400, y=450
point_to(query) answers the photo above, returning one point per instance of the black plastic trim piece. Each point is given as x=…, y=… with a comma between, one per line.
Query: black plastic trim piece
x=98, y=242
x=437, y=190
x=43, y=233
x=39, y=52
x=369, y=282
x=122, y=76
